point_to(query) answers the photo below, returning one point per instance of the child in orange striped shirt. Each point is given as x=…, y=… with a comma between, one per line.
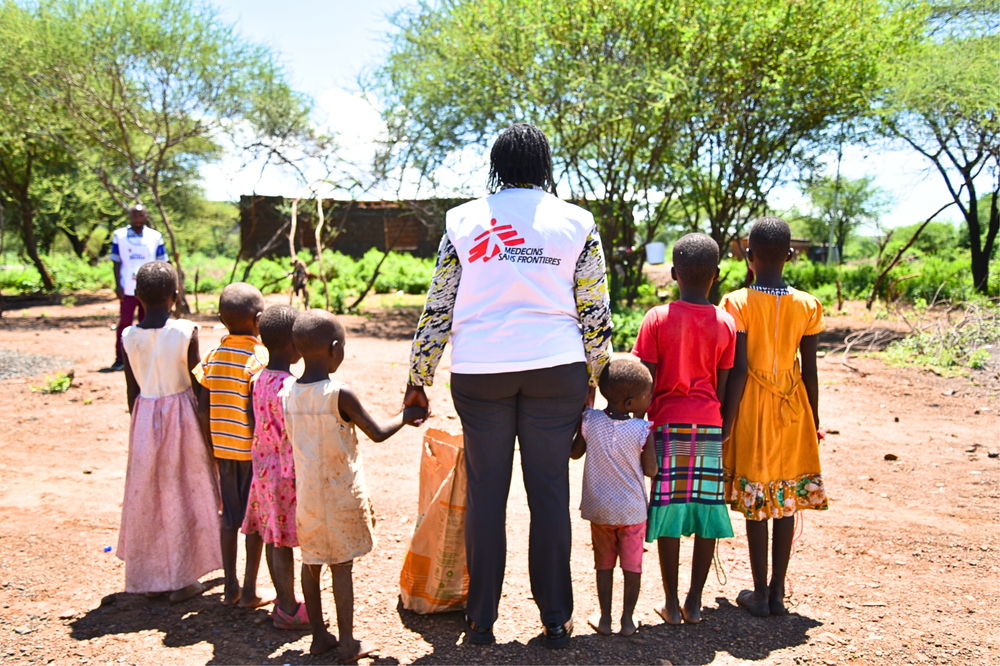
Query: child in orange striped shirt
x=226, y=419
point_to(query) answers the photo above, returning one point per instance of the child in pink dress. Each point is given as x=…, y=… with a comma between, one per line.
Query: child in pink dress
x=271, y=504
x=170, y=521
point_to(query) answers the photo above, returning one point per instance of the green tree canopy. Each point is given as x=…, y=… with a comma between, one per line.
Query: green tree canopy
x=646, y=102
x=142, y=93
x=838, y=206
x=944, y=102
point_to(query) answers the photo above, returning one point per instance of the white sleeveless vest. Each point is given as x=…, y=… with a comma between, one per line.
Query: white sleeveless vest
x=515, y=308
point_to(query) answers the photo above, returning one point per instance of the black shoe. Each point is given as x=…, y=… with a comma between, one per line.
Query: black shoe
x=117, y=366
x=479, y=635
x=557, y=635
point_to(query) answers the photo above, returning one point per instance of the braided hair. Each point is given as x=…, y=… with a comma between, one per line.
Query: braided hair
x=521, y=158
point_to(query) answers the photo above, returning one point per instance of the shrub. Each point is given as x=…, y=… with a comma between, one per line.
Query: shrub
x=625, y=323
x=950, y=342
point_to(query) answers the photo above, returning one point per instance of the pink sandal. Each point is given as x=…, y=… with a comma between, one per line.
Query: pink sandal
x=297, y=622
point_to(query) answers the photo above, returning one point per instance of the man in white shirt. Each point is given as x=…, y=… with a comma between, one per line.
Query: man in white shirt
x=131, y=247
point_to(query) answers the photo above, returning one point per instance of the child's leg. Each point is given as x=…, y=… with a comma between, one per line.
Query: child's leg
x=632, y=538
x=350, y=648
x=228, y=540
x=322, y=640
x=701, y=562
x=254, y=545
x=605, y=586
x=784, y=530
x=755, y=602
x=633, y=583
x=605, y=556
x=669, y=549
x=281, y=565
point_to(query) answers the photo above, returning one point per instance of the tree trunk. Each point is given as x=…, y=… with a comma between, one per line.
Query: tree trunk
x=982, y=250
x=182, y=306
x=78, y=244
x=31, y=245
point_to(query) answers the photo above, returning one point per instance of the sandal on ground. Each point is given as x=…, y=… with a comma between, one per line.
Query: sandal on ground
x=299, y=621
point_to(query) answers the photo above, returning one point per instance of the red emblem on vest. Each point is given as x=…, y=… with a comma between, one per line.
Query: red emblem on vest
x=488, y=243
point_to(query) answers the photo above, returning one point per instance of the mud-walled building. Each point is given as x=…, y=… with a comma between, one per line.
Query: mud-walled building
x=350, y=227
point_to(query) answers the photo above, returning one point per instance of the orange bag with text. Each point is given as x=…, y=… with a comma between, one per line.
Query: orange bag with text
x=434, y=577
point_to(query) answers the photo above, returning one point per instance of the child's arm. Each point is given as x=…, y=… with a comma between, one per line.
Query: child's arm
x=649, y=464
x=579, y=443
x=352, y=410
x=734, y=385
x=251, y=419
x=807, y=350
x=131, y=386
x=204, y=398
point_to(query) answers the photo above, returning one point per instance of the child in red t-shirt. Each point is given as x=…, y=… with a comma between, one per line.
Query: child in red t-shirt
x=688, y=346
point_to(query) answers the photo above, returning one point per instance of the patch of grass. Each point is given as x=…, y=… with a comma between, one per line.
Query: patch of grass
x=58, y=383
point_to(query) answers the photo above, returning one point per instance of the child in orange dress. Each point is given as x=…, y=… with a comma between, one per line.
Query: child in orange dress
x=771, y=461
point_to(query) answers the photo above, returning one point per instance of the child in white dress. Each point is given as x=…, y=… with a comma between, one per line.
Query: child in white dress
x=333, y=516
x=170, y=520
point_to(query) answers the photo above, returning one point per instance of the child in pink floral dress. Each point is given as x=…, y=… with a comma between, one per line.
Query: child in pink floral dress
x=271, y=505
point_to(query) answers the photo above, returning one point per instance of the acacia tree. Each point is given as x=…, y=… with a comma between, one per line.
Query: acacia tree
x=154, y=86
x=645, y=101
x=838, y=206
x=593, y=75
x=944, y=103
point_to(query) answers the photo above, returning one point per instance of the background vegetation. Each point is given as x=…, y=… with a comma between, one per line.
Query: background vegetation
x=667, y=117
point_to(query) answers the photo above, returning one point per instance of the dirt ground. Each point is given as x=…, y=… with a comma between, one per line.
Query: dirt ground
x=903, y=568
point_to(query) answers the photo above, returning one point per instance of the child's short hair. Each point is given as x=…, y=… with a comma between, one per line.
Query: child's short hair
x=770, y=239
x=624, y=378
x=276, y=326
x=314, y=330
x=696, y=258
x=155, y=283
x=240, y=302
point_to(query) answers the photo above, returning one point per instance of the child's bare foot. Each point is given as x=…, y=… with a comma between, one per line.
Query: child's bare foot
x=322, y=642
x=776, y=601
x=670, y=612
x=753, y=604
x=691, y=610
x=351, y=652
x=231, y=594
x=254, y=600
x=187, y=592
x=629, y=626
x=600, y=624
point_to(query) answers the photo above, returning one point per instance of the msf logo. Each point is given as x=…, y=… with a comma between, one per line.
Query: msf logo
x=488, y=244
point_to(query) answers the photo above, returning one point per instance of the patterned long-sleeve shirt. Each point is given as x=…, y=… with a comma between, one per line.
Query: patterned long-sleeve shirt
x=593, y=307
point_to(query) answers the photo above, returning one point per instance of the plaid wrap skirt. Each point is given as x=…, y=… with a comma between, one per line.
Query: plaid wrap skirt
x=688, y=495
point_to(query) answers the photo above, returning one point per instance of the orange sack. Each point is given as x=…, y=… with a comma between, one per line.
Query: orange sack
x=435, y=578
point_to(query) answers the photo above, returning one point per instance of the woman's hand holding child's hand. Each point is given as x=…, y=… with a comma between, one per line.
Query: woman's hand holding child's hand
x=414, y=415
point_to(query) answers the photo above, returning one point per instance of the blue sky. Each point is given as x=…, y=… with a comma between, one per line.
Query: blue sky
x=326, y=46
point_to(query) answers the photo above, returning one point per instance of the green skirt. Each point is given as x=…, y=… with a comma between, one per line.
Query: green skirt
x=709, y=521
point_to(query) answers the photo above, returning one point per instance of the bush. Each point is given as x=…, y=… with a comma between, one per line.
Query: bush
x=950, y=342
x=625, y=323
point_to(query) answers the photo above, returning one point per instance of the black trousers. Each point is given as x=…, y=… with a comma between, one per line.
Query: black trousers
x=541, y=408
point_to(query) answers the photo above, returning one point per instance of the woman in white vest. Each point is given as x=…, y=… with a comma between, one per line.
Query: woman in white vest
x=520, y=288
